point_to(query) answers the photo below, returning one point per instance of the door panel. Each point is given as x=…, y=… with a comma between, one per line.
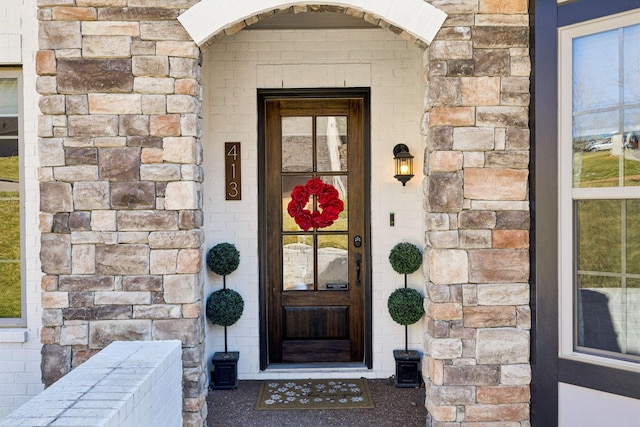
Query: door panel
x=314, y=322
x=316, y=351
x=315, y=274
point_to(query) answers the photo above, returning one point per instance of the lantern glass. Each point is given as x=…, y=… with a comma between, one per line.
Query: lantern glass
x=404, y=163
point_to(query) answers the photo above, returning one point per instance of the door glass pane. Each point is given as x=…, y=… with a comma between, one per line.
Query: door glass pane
x=300, y=206
x=606, y=117
x=297, y=263
x=333, y=266
x=339, y=182
x=608, y=283
x=288, y=184
x=331, y=145
x=297, y=144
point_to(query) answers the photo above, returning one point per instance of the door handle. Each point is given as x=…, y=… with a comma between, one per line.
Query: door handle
x=358, y=268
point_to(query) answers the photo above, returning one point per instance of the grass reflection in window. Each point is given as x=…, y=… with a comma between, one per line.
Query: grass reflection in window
x=602, y=169
x=10, y=286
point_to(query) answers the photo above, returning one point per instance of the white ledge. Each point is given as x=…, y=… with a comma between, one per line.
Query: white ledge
x=13, y=335
x=209, y=17
x=127, y=384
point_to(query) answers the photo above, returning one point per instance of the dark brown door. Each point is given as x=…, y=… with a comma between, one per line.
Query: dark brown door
x=315, y=230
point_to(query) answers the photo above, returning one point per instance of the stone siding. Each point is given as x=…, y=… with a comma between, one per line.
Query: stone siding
x=478, y=317
x=120, y=184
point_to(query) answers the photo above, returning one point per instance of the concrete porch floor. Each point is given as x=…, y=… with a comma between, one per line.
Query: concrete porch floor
x=397, y=407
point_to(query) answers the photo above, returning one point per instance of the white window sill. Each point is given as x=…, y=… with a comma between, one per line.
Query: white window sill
x=13, y=335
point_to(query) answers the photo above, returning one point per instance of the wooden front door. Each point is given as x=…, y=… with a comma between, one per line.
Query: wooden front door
x=315, y=243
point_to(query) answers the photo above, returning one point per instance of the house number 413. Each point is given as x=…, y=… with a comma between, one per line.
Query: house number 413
x=233, y=175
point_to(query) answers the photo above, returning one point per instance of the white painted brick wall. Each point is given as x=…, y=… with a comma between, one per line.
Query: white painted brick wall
x=128, y=384
x=233, y=68
x=10, y=31
x=20, y=347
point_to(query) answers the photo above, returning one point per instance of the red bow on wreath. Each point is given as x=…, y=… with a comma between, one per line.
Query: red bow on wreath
x=328, y=202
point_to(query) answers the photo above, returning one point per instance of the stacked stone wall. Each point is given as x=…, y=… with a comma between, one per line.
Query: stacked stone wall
x=120, y=183
x=478, y=317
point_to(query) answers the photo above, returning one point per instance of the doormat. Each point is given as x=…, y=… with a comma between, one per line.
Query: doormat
x=314, y=394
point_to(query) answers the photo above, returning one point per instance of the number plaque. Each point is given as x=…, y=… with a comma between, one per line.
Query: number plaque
x=233, y=175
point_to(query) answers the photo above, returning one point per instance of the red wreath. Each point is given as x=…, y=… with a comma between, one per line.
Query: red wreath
x=328, y=202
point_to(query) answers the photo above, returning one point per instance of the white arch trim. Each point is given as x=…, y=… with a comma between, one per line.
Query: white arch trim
x=208, y=17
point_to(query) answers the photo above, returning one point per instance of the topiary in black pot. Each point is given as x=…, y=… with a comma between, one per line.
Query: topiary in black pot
x=405, y=305
x=224, y=307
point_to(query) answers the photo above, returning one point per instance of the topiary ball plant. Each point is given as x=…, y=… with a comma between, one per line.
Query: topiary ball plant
x=405, y=258
x=223, y=258
x=405, y=306
x=224, y=307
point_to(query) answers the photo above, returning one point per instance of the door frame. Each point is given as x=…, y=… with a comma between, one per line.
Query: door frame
x=317, y=93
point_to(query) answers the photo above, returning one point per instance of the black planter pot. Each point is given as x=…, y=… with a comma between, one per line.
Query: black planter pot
x=407, y=368
x=224, y=375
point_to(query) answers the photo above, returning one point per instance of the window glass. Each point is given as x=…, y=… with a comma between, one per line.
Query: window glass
x=608, y=294
x=606, y=108
x=604, y=221
x=10, y=283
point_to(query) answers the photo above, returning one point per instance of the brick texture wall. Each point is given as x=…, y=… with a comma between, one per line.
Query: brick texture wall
x=141, y=381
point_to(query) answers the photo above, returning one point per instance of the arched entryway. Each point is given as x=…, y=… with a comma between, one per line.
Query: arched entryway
x=475, y=214
x=277, y=53
x=209, y=18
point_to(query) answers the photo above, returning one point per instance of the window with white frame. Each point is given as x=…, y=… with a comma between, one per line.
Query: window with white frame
x=599, y=197
x=10, y=240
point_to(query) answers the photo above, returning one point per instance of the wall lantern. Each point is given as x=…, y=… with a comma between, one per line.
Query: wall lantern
x=404, y=163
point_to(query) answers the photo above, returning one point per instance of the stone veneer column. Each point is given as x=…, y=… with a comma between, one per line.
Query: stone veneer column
x=120, y=184
x=478, y=316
